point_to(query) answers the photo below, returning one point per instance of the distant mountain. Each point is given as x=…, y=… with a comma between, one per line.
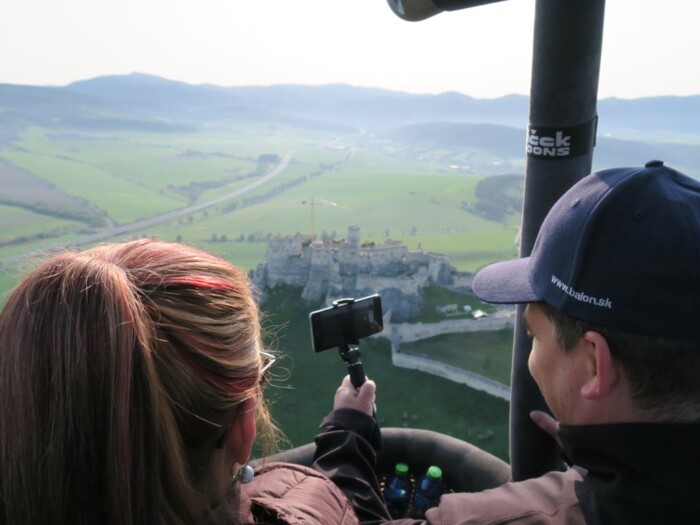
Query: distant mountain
x=333, y=103
x=652, y=117
x=351, y=105
x=146, y=96
x=492, y=129
x=145, y=89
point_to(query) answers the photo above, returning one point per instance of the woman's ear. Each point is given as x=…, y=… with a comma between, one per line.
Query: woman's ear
x=601, y=368
x=243, y=432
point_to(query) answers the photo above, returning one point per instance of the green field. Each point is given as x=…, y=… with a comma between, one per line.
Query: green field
x=136, y=175
x=25, y=223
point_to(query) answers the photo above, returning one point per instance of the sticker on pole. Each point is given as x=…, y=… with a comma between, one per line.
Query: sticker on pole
x=543, y=142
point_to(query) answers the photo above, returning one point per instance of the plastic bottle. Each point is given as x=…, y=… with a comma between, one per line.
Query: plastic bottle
x=397, y=492
x=429, y=488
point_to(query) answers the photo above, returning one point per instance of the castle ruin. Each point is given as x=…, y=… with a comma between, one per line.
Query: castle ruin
x=328, y=270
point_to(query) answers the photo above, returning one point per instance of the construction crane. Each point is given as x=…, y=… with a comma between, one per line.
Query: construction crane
x=313, y=202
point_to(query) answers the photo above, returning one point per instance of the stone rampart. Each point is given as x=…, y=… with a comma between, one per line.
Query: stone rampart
x=411, y=332
x=295, y=272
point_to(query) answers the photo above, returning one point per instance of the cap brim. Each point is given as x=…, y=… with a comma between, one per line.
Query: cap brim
x=505, y=283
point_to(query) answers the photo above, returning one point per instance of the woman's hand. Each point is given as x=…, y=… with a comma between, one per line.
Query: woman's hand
x=362, y=399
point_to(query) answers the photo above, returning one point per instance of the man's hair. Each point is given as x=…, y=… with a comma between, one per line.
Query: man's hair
x=664, y=373
x=121, y=367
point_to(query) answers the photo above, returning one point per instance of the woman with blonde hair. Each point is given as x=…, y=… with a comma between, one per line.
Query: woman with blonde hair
x=131, y=380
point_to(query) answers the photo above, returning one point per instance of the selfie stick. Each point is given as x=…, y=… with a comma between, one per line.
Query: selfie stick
x=351, y=356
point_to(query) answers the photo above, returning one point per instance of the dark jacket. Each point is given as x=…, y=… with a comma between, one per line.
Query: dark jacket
x=636, y=473
x=286, y=494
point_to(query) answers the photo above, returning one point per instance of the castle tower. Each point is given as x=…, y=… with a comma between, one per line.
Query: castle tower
x=354, y=237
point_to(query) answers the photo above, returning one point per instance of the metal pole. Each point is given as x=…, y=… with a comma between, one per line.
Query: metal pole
x=566, y=64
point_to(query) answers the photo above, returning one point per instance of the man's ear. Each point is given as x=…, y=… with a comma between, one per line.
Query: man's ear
x=243, y=432
x=601, y=369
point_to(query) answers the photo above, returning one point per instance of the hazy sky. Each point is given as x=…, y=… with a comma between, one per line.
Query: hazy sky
x=650, y=46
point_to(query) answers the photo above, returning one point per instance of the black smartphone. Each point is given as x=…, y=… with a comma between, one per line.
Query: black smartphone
x=346, y=322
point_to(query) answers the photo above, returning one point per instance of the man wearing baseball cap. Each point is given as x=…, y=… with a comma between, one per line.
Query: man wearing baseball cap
x=613, y=308
x=613, y=293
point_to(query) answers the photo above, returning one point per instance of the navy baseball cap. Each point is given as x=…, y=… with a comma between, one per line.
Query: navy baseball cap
x=620, y=249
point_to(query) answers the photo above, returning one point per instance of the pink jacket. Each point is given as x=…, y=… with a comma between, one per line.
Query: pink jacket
x=288, y=494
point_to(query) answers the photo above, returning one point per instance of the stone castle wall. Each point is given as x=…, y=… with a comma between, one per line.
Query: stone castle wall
x=330, y=269
x=410, y=332
x=405, y=284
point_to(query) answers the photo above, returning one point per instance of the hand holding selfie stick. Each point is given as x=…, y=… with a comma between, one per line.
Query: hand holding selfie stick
x=343, y=324
x=351, y=356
